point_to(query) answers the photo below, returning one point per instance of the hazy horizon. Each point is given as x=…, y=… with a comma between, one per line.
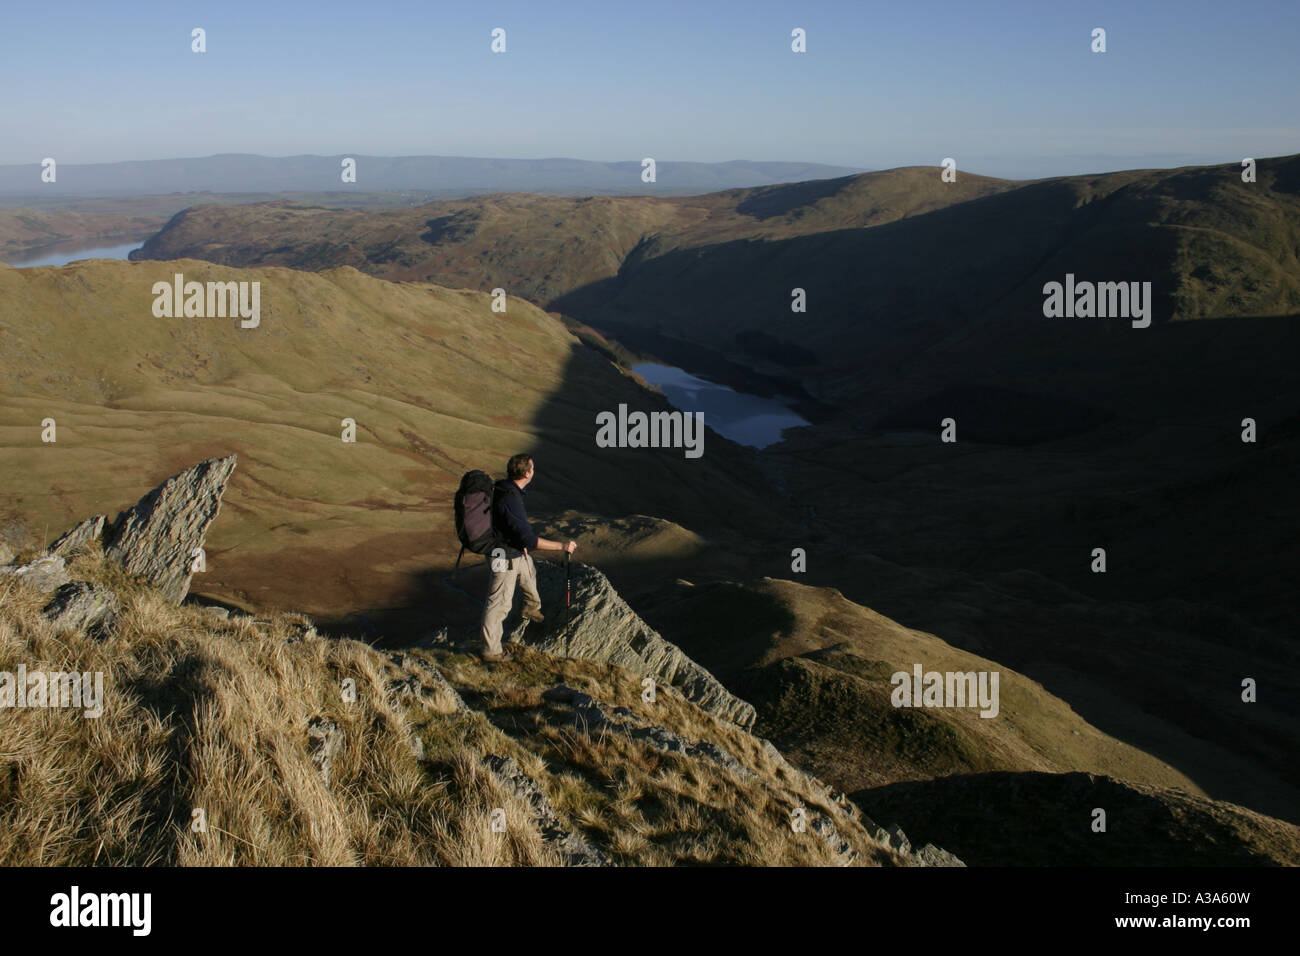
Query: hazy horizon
x=1014, y=92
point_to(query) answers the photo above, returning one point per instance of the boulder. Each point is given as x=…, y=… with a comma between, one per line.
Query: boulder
x=599, y=625
x=45, y=573
x=156, y=538
x=79, y=536
x=82, y=606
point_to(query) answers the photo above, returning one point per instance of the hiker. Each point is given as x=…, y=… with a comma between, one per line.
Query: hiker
x=518, y=540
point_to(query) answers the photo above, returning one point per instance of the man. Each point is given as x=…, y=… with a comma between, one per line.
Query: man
x=511, y=523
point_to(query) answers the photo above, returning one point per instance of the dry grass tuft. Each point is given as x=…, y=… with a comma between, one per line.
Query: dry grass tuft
x=202, y=755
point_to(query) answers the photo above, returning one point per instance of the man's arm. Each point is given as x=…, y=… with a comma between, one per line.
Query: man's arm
x=546, y=544
x=517, y=521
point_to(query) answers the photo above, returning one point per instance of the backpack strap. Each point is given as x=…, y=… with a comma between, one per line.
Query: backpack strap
x=456, y=570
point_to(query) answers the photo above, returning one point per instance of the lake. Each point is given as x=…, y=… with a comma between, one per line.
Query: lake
x=745, y=419
x=60, y=254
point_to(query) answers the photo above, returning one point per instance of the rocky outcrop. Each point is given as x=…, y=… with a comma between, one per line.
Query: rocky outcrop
x=79, y=536
x=86, y=607
x=841, y=849
x=45, y=573
x=156, y=539
x=591, y=717
x=158, y=536
x=576, y=850
x=932, y=855
x=600, y=626
x=414, y=678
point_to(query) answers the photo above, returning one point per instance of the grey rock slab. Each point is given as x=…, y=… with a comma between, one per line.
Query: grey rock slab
x=932, y=855
x=46, y=573
x=599, y=625
x=82, y=606
x=79, y=535
x=157, y=537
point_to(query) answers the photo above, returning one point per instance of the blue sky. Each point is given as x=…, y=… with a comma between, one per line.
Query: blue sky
x=1007, y=88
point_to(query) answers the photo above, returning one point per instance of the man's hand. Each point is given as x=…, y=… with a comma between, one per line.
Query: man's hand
x=546, y=544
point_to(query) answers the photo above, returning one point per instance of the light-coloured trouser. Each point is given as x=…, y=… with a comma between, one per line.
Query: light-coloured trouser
x=501, y=595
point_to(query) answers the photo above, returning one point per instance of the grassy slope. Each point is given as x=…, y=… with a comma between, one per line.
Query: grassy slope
x=817, y=667
x=436, y=382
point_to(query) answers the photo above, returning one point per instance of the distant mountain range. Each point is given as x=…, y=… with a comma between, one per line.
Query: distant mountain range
x=434, y=176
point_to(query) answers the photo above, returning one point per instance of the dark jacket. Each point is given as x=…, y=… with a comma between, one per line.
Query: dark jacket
x=511, y=520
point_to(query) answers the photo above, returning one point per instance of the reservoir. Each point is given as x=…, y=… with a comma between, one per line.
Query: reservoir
x=60, y=254
x=745, y=419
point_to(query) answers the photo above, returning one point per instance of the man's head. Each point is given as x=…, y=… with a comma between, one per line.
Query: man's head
x=519, y=469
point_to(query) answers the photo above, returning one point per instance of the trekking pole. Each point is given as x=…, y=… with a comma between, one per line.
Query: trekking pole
x=566, y=584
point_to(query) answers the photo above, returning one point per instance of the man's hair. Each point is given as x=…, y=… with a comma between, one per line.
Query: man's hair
x=518, y=466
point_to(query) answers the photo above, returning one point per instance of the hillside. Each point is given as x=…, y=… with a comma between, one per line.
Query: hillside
x=436, y=382
x=544, y=248
x=187, y=735
x=250, y=739
x=23, y=230
x=1210, y=244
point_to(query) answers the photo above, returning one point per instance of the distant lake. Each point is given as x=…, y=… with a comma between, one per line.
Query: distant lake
x=745, y=419
x=60, y=254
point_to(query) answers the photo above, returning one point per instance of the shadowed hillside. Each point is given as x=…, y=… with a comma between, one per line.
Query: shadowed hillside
x=184, y=735
x=1035, y=819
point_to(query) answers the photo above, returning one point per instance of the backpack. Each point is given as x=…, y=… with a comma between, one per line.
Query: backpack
x=473, y=507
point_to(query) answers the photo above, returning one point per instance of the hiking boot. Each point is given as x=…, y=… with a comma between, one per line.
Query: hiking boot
x=492, y=658
x=534, y=614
